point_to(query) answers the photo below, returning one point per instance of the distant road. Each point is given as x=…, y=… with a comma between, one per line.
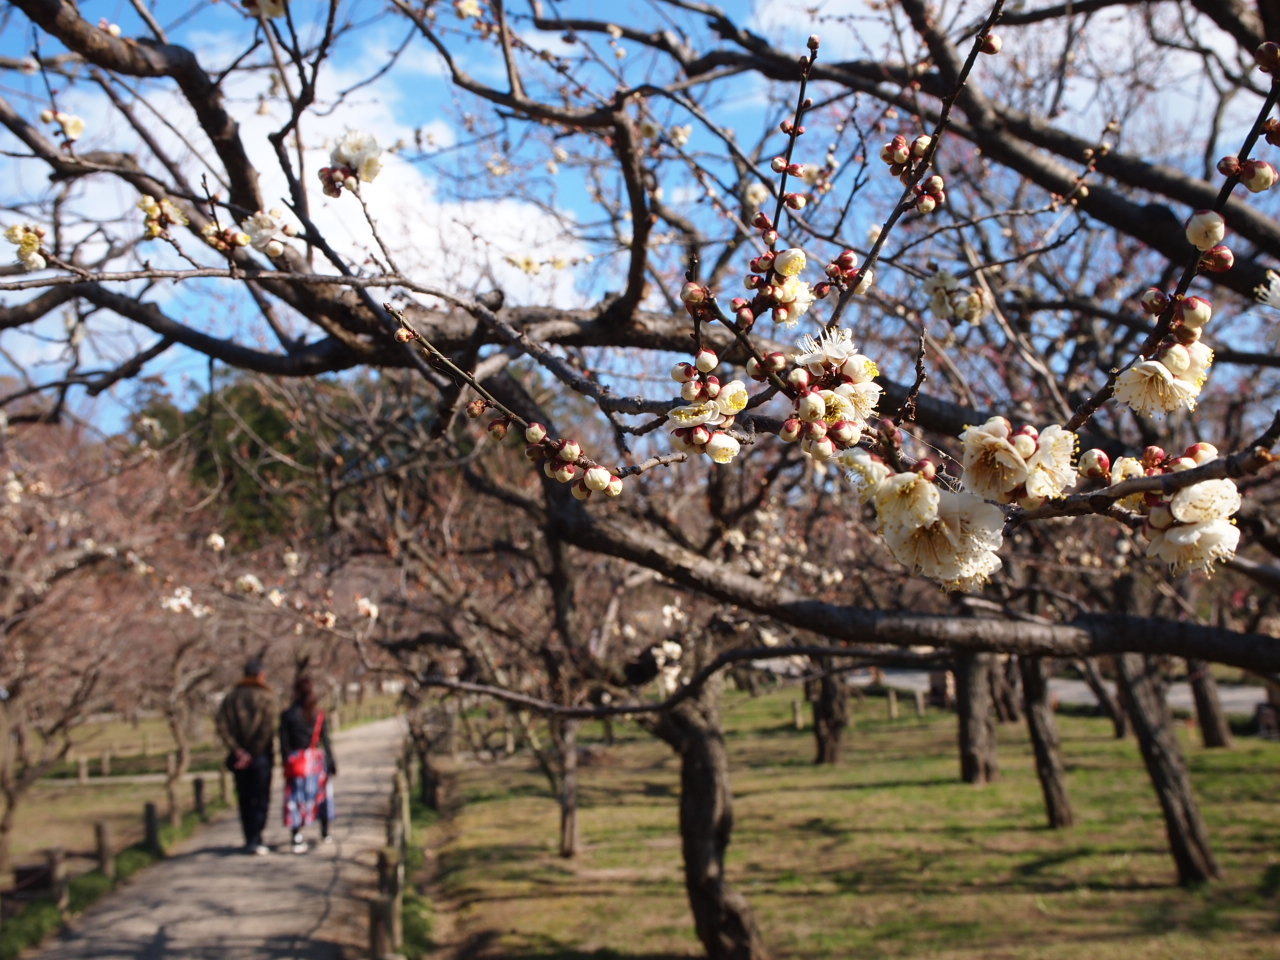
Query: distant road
x=1236, y=698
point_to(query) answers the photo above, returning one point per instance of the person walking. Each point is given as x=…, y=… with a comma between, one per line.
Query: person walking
x=308, y=765
x=245, y=725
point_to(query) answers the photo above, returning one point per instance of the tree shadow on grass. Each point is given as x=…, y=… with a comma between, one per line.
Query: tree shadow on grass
x=543, y=947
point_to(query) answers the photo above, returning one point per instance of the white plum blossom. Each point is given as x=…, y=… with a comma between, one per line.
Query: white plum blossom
x=756, y=195
x=366, y=608
x=267, y=231
x=29, y=240
x=358, y=152
x=722, y=447
x=292, y=562
x=958, y=547
x=1195, y=546
x=903, y=502
x=830, y=350
x=864, y=471
x=797, y=297
x=249, y=583
x=790, y=263
x=1207, y=500
x=992, y=467
x=215, y=542
x=1153, y=390
x=276, y=597
x=1049, y=469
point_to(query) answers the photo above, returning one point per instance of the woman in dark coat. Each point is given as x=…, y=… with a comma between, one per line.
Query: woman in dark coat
x=308, y=764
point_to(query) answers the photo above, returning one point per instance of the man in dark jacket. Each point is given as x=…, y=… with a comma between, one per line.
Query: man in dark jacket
x=246, y=724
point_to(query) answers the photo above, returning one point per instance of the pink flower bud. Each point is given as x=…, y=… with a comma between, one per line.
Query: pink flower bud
x=1154, y=300
x=1024, y=444
x=795, y=170
x=706, y=360
x=927, y=469
x=1178, y=464
x=814, y=42
x=1194, y=312
x=569, y=451
x=796, y=201
x=798, y=379
x=761, y=222
x=844, y=433
x=776, y=361
x=693, y=391
x=821, y=449
x=791, y=430
x=564, y=472
x=1218, y=259
x=581, y=491
x=404, y=335
x=933, y=184
x=682, y=372
x=991, y=44
x=693, y=293
x=1257, y=175
x=1095, y=464
x=920, y=145
x=712, y=385
x=498, y=428
x=699, y=435
x=1160, y=517
x=596, y=478
x=811, y=406
x=769, y=236
x=781, y=314
x=1152, y=456
x=534, y=452
x=1201, y=452
x=1229, y=165
x=778, y=164
x=926, y=203
x=535, y=433
x=815, y=429
x=755, y=371
x=614, y=488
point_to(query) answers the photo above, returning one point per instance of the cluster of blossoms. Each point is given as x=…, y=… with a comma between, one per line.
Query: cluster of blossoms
x=1173, y=377
x=561, y=460
x=1256, y=175
x=834, y=392
x=951, y=536
x=954, y=302
x=354, y=159
x=1205, y=231
x=267, y=232
x=225, y=239
x=72, y=127
x=667, y=656
x=1026, y=466
x=1190, y=529
x=366, y=608
x=28, y=239
x=161, y=215
x=703, y=425
x=250, y=584
x=180, y=602
x=905, y=160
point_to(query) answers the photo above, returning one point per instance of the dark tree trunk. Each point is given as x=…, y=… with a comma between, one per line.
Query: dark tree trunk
x=428, y=778
x=977, y=723
x=1142, y=687
x=830, y=702
x=1004, y=690
x=1108, y=704
x=1214, y=729
x=722, y=916
x=565, y=733
x=1043, y=729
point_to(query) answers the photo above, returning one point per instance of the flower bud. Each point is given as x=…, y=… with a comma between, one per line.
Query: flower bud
x=614, y=488
x=1218, y=259
x=721, y=447
x=795, y=170
x=682, y=372
x=1201, y=452
x=1229, y=165
x=927, y=469
x=1267, y=56
x=778, y=164
x=699, y=435
x=933, y=184
x=498, y=428
x=596, y=478
x=476, y=408
x=791, y=430
x=693, y=293
x=1154, y=300
x=1024, y=444
x=1152, y=456
x=991, y=44
x=693, y=391
x=581, y=491
x=1178, y=464
x=761, y=221
x=404, y=335
x=926, y=203
x=1160, y=517
x=1095, y=464
x=1205, y=229
x=821, y=449
x=534, y=453
x=798, y=379
x=706, y=360
x=796, y=201
x=815, y=429
x=920, y=146
x=845, y=433
x=755, y=371
x=1195, y=312
x=811, y=406
x=712, y=386
x=562, y=471
x=814, y=42
x=1257, y=175
x=1176, y=359
x=535, y=433
x=569, y=451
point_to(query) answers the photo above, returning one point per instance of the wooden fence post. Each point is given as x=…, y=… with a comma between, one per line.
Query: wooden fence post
x=106, y=859
x=151, y=825
x=920, y=703
x=106, y=763
x=197, y=788
x=59, y=885
x=797, y=717
x=379, y=928
x=82, y=769
x=893, y=703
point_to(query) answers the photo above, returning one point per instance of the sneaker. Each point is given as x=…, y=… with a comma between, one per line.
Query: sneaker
x=326, y=839
x=260, y=850
x=299, y=846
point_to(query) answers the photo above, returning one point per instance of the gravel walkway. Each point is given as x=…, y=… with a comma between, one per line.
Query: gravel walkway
x=209, y=900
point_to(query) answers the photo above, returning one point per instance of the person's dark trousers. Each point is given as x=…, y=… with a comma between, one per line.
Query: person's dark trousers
x=253, y=790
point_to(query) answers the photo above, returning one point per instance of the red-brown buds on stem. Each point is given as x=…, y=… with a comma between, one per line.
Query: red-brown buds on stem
x=1218, y=259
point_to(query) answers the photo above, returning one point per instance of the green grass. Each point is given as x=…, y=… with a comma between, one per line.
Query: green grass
x=416, y=911
x=884, y=855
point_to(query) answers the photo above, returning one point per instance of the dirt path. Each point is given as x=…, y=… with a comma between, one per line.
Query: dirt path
x=208, y=900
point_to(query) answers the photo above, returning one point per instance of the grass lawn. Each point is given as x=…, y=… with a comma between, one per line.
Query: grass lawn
x=885, y=855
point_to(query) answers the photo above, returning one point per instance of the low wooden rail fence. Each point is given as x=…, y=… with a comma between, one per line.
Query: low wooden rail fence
x=386, y=907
